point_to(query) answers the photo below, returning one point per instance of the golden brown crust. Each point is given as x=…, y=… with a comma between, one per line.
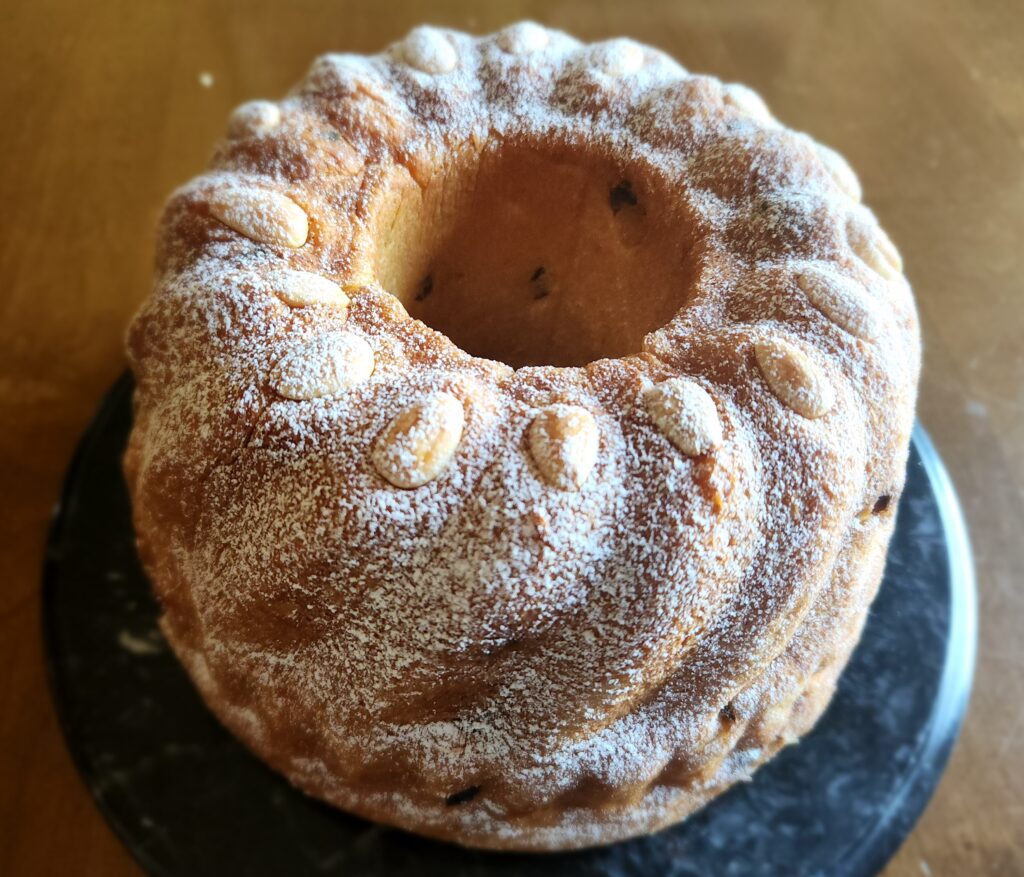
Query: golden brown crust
x=518, y=608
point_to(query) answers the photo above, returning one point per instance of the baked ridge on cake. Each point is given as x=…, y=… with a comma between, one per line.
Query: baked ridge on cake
x=563, y=577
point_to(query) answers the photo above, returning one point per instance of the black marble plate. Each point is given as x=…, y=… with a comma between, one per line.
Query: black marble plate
x=186, y=799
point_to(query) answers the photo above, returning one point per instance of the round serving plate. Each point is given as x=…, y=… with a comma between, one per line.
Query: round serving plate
x=188, y=800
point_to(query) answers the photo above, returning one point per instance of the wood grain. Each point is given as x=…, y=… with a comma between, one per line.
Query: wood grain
x=103, y=113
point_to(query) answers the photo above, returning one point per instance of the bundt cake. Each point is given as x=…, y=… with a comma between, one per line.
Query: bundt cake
x=518, y=430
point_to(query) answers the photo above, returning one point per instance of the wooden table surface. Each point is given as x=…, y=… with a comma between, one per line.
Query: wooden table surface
x=104, y=107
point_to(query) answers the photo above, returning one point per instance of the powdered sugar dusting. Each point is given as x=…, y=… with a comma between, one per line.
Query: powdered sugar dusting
x=619, y=57
x=841, y=172
x=596, y=662
x=429, y=50
x=748, y=101
x=872, y=244
x=304, y=288
x=325, y=366
x=254, y=118
x=794, y=377
x=420, y=442
x=265, y=216
x=684, y=411
x=523, y=38
x=842, y=300
x=564, y=442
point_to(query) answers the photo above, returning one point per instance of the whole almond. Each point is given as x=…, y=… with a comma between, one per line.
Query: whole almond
x=262, y=215
x=563, y=442
x=326, y=366
x=420, y=441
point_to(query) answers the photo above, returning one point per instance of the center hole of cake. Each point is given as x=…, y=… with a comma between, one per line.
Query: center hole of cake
x=537, y=257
